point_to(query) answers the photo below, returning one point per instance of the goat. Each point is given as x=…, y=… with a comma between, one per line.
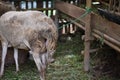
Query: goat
x=30, y=30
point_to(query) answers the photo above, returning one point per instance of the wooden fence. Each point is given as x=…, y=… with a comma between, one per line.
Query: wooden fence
x=93, y=24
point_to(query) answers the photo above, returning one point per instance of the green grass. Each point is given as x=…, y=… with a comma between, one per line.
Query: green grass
x=68, y=65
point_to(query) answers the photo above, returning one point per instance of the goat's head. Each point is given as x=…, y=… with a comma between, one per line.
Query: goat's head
x=42, y=60
x=41, y=55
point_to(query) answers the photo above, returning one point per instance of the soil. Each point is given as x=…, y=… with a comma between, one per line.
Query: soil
x=107, y=63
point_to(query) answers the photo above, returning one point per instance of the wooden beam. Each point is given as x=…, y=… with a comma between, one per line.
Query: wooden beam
x=106, y=37
x=70, y=10
x=88, y=3
x=87, y=38
x=108, y=43
x=105, y=26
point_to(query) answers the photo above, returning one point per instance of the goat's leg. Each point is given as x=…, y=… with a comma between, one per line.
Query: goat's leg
x=4, y=52
x=39, y=65
x=44, y=60
x=16, y=59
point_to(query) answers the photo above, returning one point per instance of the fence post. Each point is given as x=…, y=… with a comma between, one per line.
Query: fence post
x=87, y=38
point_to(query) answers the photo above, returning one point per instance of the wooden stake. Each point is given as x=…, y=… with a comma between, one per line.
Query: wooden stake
x=87, y=38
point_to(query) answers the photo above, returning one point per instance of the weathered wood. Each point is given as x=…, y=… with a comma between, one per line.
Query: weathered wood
x=114, y=17
x=100, y=27
x=108, y=43
x=102, y=1
x=106, y=27
x=70, y=10
x=115, y=44
x=119, y=7
x=106, y=37
x=103, y=25
x=87, y=38
x=110, y=4
x=111, y=41
x=79, y=25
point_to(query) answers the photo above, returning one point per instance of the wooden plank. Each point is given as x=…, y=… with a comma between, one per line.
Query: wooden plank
x=103, y=25
x=70, y=10
x=117, y=48
x=106, y=37
x=87, y=38
x=105, y=3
